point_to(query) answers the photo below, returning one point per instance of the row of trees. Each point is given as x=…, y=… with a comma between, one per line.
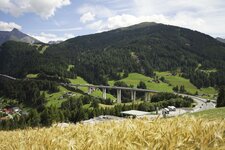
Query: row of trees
x=73, y=110
x=180, y=89
x=27, y=92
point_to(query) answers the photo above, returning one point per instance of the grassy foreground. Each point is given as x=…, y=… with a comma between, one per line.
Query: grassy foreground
x=173, y=133
x=217, y=113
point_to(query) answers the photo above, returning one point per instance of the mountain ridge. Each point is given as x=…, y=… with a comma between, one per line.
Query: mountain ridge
x=142, y=48
x=16, y=35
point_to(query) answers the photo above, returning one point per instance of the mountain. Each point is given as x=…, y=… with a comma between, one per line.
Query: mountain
x=220, y=39
x=16, y=35
x=142, y=48
x=55, y=42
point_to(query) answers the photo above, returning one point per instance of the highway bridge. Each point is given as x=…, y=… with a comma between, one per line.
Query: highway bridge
x=133, y=91
x=91, y=88
x=200, y=101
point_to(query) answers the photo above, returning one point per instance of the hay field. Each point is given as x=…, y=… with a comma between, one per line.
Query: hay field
x=173, y=133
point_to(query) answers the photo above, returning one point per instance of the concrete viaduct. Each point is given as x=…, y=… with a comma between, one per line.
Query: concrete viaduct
x=119, y=90
x=93, y=87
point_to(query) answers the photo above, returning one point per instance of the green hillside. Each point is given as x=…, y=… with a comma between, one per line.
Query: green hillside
x=177, y=80
x=31, y=76
x=55, y=99
x=135, y=78
x=217, y=113
x=79, y=80
x=167, y=86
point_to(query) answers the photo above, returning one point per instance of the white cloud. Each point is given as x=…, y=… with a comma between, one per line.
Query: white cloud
x=98, y=11
x=87, y=17
x=125, y=20
x=8, y=26
x=63, y=29
x=43, y=8
x=97, y=25
x=46, y=37
x=203, y=15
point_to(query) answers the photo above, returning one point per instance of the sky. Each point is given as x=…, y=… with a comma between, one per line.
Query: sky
x=52, y=20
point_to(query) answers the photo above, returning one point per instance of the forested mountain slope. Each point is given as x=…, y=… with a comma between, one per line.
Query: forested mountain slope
x=141, y=48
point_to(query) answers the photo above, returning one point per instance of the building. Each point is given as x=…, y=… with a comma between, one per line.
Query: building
x=135, y=113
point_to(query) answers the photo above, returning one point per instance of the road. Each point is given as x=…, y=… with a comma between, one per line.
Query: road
x=202, y=103
x=6, y=76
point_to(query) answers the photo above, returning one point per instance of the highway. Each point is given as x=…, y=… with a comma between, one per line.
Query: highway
x=9, y=77
x=202, y=103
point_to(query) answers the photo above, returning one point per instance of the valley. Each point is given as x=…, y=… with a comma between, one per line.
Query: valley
x=145, y=68
x=112, y=75
x=133, y=80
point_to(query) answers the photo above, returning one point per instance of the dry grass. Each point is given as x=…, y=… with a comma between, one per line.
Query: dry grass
x=173, y=133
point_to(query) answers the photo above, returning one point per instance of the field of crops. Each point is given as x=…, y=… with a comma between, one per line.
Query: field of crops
x=172, y=133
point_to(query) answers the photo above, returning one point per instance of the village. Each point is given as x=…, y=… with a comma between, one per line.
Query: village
x=7, y=113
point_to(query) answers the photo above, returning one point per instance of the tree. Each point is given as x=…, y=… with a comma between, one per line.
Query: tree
x=95, y=103
x=125, y=74
x=196, y=93
x=34, y=118
x=182, y=89
x=176, y=89
x=162, y=79
x=45, y=118
x=142, y=85
x=221, y=97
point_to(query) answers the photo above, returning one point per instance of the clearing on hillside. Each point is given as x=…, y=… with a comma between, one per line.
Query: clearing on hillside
x=135, y=78
x=167, y=86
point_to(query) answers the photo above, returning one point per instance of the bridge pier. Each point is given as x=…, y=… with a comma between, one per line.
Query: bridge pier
x=147, y=96
x=104, y=93
x=118, y=95
x=133, y=95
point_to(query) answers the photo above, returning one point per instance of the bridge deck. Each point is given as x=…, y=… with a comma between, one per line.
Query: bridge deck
x=113, y=87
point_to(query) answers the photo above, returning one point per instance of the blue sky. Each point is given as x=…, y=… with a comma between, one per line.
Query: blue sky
x=49, y=20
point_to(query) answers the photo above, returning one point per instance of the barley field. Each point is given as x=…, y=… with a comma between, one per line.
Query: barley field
x=172, y=133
